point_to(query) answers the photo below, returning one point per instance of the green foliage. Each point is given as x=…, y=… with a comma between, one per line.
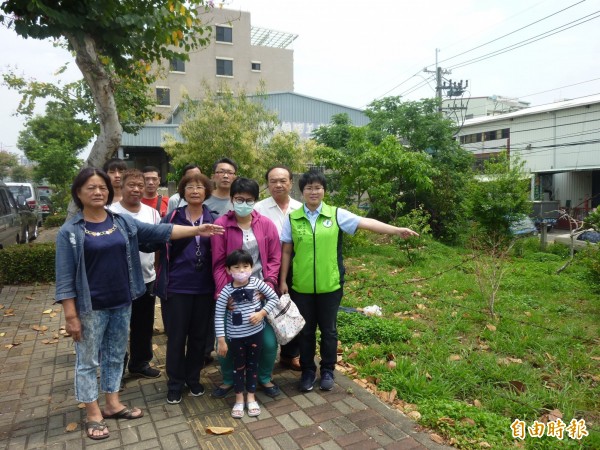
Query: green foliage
x=363, y=171
x=55, y=220
x=590, y=258
x=223, y=125
x=593, y=219
x=289, y=150
x=21, y=173
x=354, y=327
x=7, y=162
x=544, y=339
x=28, y=263
x=500, y=197
x=54, y=141
x=468, y=425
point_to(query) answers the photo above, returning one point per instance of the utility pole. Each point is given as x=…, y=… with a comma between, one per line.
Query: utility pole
x=453, y=89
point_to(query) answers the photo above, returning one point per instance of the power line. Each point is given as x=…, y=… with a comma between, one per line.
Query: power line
x=513, y=32
x=525, y=42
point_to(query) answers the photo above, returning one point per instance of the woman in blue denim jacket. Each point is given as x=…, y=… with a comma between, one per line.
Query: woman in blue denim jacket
x=98, y=275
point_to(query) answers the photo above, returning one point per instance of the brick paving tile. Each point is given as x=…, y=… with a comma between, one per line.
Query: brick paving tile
x=37, y=404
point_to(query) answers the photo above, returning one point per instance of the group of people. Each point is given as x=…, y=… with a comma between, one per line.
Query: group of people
x=223, y=259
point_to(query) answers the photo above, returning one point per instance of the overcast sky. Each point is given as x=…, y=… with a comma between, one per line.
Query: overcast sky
x=352, y=52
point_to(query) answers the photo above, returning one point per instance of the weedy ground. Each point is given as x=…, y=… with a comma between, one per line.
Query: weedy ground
x=470, y=376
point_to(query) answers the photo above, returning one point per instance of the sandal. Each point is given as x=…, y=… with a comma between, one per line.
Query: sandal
x=92, y=425
x=125, y=413
x=238, y=411
x=253, y=409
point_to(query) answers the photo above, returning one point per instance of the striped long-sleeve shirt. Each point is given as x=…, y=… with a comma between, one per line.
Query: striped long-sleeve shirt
x=246, y=302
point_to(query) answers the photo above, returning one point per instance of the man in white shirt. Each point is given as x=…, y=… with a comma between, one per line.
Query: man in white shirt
x=277, y=208
x=142, y=309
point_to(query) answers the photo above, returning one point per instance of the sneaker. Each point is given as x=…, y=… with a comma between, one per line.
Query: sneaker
x=197, y=390
x=307, y=380
x=147, y=372
x=326, y=380
x=173, y=397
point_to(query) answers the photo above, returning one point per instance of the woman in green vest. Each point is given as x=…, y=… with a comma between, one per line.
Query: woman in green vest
x=312, y=244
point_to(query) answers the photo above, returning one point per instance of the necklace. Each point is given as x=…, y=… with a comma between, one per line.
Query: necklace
x=99, y=233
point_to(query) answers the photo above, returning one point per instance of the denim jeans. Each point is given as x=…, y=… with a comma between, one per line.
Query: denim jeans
x=318, y=310
x=103, y=344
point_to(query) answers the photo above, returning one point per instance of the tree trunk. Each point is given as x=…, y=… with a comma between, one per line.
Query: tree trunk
x=99, y=81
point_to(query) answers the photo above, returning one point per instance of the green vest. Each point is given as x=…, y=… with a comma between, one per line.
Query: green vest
x=317, y=266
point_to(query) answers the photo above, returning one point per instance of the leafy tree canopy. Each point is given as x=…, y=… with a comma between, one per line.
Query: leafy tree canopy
x=7, y=162
x=54, y=141
x=223, y=125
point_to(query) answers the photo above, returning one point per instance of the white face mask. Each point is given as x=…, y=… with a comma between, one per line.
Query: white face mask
x=241, y=277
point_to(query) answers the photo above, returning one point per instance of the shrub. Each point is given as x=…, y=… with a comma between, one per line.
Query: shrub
x=55, y=220
x=354, y=327
x=27, y=263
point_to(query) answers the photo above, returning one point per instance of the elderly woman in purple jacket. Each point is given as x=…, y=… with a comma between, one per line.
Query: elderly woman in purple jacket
x=246, y=229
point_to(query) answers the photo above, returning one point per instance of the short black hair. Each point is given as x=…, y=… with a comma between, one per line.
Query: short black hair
x=278, y=167
x=312, y=176
x=81, y=179
x=131, y=173
x=187, y=167
x=114, y=163
x=151, y=169
x=244, y=185
x=229, y=161
x=238, y=257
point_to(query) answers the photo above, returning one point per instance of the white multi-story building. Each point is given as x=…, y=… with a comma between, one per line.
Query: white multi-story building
x=559, y=144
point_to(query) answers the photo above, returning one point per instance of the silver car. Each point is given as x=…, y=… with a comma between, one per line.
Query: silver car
x=10, y=220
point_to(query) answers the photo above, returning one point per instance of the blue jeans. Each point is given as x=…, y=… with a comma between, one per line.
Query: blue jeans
x=103, y=344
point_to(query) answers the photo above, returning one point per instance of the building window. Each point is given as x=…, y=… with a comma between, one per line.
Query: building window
x=224, y=34
x=177, y=65
x=225, y=67
x=163, y=96
x=255, y=66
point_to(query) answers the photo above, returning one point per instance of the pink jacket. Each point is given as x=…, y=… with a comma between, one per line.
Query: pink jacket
x=269, y=247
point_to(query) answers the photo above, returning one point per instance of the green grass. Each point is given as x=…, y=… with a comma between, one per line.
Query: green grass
x=535, y=357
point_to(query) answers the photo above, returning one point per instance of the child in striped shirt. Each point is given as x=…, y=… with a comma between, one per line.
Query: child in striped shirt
x=244, y=329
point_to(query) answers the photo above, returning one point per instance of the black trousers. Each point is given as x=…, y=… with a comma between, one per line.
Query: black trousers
x=187, y=320
x=141, y=329
x=318, y=310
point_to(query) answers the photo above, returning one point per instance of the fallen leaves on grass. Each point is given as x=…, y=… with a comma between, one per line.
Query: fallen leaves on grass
x=454, y=358
x=436, y=438
x=490, y=327
x=508, y=360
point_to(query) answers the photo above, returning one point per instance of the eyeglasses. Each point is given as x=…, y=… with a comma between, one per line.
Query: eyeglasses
x=195, y=188
x=247, y=201
x=313, y=188
x=225, y=172
x=93, y=188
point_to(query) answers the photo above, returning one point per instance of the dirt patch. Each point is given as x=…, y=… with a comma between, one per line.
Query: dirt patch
x=47, y=235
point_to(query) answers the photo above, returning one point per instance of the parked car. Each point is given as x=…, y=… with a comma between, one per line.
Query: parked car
x=10, y=220
x=46, y=206
x=28, y=204
x=523, y=226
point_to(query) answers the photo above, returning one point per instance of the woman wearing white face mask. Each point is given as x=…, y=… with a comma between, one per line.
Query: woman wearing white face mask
x=248, y=230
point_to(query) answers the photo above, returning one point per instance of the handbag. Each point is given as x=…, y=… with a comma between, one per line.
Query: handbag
x=286, y=320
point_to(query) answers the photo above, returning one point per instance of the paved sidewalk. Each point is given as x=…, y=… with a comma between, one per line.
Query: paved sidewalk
x=37, y=402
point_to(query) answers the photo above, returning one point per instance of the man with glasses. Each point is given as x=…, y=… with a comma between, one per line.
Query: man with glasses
x=151, y=196
x=142, y=309
x=224, y=173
